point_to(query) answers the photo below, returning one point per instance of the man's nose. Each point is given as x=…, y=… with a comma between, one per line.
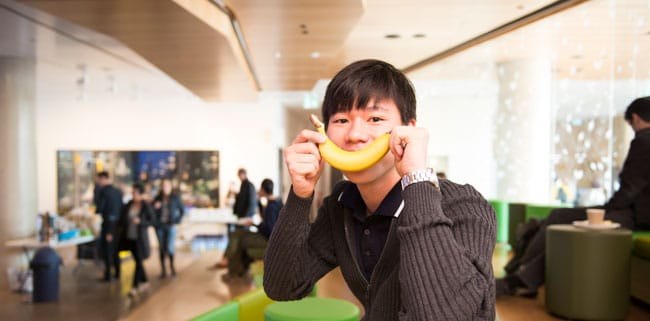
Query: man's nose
x=358, y=131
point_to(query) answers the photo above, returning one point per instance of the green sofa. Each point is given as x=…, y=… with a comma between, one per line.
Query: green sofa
x=640, y=267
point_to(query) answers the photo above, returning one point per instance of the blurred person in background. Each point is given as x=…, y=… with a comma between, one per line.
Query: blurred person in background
x=241, y=240
x=109, y=205
x=169, y=211
x=134, y=222
x=245, y=207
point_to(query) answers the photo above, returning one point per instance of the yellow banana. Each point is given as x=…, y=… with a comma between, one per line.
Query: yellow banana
x=351, y=161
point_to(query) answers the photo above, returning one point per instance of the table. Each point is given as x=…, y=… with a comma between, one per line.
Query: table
x=312, y=309
x=588, y=272
x=31, y=243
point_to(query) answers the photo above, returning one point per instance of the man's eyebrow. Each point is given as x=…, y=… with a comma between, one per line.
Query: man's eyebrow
x=376, y=106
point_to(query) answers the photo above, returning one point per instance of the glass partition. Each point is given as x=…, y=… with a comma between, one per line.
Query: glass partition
x=552, y=95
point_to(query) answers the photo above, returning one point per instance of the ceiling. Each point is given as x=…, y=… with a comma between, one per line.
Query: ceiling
x=291, y=44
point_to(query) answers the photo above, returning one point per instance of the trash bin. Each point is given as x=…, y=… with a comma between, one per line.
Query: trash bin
x=45, y=267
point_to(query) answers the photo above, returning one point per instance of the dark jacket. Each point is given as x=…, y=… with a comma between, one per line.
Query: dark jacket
x=245, y=200
x=269, y=217
x=175, y=207
x=146, y=220
x=109, y=205
x=633, y=194
x=436, y=263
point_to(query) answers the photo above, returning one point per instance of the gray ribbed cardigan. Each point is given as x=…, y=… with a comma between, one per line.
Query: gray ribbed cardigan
x=435, y=265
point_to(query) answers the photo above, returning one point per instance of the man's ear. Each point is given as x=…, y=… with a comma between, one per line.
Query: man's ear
x=412, y=122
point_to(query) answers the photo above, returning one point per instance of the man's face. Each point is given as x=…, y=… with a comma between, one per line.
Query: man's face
x=355, y=129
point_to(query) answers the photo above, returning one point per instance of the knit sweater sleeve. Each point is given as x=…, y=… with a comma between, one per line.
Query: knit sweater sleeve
x=298, y=253
x=445, y=256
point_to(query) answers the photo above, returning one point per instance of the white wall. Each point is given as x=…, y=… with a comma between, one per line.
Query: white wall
x=460, y=119
x=246, y=135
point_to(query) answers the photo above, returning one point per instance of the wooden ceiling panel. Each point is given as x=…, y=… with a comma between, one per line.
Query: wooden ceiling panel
x=194, y=53
x=283, y=35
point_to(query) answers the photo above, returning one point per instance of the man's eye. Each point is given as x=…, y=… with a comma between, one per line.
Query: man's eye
x=340, y=121
x=375, y=119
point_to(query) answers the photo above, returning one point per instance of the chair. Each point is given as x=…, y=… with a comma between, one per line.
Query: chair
x=226, y=312
x=252, y=305
x=503, y=219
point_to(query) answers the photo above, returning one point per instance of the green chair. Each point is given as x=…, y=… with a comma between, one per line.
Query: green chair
x=226, y=312
x=312, y=309
x=539, y=211
x=588, y=272
x=503, y=218
x=252, y=305
x=640, y=266
x=516, y=216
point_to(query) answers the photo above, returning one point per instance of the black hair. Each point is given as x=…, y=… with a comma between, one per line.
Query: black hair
x=359, y=82
x=641, y=107
x=267, y=186
x=138, y=187
x=103, y=174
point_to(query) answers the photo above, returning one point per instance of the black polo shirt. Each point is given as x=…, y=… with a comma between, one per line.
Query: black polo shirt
x=371, y=231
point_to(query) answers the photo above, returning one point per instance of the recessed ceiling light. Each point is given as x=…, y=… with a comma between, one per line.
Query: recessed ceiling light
x=419, y=35
x=315, y=54
x=392, y=36
x=520, y=7
x=277, y=55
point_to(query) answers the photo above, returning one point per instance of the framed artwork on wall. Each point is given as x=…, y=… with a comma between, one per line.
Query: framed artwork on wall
x=195, y=175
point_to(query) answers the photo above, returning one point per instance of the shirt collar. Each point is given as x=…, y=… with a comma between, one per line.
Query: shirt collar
x=351, y=198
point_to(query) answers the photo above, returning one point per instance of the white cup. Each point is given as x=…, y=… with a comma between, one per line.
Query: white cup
x=595, y=216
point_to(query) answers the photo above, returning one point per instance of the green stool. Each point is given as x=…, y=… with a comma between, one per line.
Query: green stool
x=588, y=272
x=312, y=309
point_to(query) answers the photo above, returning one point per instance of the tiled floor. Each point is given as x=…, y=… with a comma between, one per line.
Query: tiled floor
x=197, y=289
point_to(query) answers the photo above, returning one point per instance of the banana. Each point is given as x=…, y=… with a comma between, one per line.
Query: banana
x=347, y=161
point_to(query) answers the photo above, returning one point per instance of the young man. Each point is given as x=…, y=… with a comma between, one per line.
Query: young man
x=629, y=206
x=408, y=247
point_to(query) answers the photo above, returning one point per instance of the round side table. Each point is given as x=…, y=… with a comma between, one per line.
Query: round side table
x=588, y=272
x=312, y=309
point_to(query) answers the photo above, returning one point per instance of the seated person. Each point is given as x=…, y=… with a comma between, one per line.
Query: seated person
x=241, y=240
x=629, y=206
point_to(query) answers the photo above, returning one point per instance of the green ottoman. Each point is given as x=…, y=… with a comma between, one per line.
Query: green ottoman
x=312, y=309
x=588, y=272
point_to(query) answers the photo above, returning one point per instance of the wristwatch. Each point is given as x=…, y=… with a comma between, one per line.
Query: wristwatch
x=425, y=175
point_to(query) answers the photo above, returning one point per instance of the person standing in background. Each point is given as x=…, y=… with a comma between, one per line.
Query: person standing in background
x=246, y=200
x=169, y=212
x=245, y=207
x=136, y=218
x=109, y=205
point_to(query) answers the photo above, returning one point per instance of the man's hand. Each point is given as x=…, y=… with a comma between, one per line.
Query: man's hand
x=409, y=145
x=245, y=221
x=304, y=162
x=109, y=237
